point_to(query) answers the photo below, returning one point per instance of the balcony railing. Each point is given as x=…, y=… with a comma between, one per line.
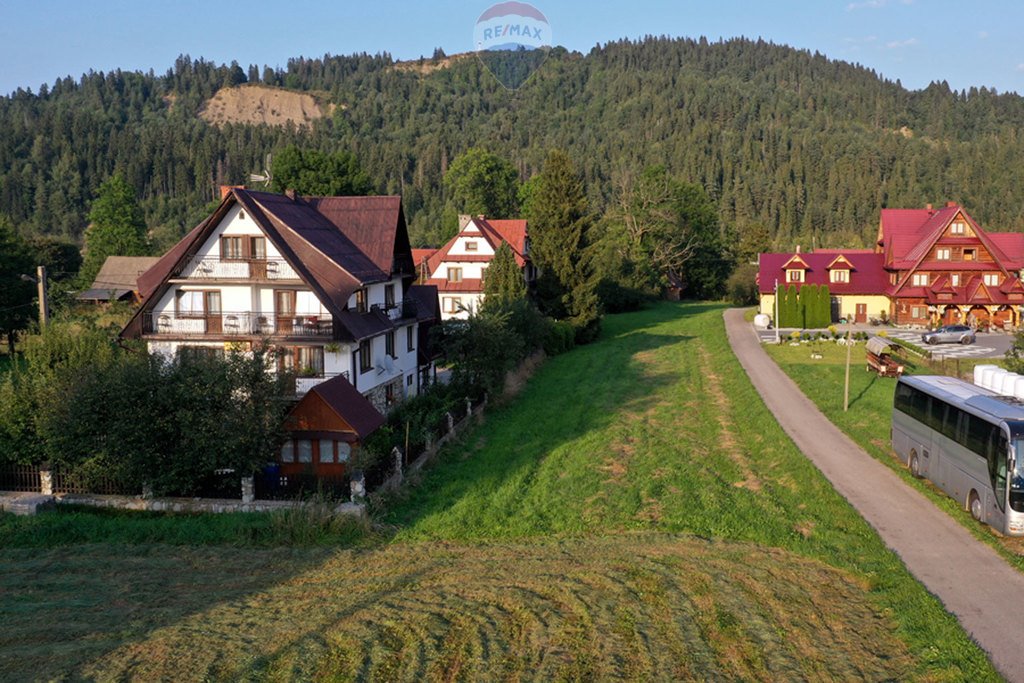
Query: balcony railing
x=396, y=312
x=243, y=324
x=243, y=269
x=304, y=384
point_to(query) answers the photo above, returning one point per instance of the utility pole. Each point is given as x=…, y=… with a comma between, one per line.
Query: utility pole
x=776, y=311
x=846, y=387
x=44, y=298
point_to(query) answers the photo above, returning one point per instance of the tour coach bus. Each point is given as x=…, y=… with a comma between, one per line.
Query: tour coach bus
x=966, y=440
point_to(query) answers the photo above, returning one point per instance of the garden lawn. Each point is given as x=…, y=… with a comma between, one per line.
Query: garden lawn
x=869, y=418
x=635, y=514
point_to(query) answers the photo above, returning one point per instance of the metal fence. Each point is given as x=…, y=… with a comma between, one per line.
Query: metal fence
x=96, y=483
x=272, y=485
x=20, y=478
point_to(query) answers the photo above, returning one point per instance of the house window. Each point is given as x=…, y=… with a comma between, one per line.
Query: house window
x=365, y=356
x=410, y=338
x=326, y=448
x=942, y=254
x=839, y=276
x=304, y=450
x=389, y=343
x=408, y=381
x=893, y=278
x=389, y=394
x=189, y=303
x=258, y=248
x=921, y=280
x=455, y=275
x=310, y=361
x=958, y=228
x=954, y=279
x=916, y=311
x=992, y=279
x=389, y=296
x=451, y=304
x=794, y=276
x=970, y=254
x=471, y=245
x=288, y=451
x=344, y=451
x=360, y=301
x=231, y=249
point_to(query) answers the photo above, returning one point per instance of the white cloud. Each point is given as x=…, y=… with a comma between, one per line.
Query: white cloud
x=982, y=35
x=897, y=44
x=1020, y=67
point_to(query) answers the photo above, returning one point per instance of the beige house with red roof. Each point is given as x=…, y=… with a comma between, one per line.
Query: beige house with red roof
x=928, y=267
x=458, y=268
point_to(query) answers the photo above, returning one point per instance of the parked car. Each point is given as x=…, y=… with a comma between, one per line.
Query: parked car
x=949, y=334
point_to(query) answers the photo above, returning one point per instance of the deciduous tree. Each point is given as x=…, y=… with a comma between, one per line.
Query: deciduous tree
x=482, y=183
x=116, y=227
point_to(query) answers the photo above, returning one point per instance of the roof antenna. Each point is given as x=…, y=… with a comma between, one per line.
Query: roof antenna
x=265, y=176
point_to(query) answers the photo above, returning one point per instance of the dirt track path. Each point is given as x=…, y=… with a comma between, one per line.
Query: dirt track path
x=973, y=582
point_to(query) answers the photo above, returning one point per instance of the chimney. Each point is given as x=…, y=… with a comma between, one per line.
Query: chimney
x=928, y=206
x=225, y=190
x=464, y=220
x=290, y=194
x=950, y=205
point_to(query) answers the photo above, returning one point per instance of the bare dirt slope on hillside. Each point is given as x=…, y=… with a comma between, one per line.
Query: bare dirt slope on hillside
x=258, y=104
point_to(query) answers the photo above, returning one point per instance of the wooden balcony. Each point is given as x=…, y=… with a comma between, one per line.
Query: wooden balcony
x=238, y=324
x=246, y=270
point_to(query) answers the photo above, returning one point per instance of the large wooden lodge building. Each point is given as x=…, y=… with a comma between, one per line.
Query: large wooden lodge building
x=928, y=267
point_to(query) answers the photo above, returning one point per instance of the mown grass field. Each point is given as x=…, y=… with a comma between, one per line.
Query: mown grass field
x=870, y=415
x=634, y=514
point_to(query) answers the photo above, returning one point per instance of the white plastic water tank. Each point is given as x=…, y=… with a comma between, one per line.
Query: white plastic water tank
x=979, y=369
x=1018, y=388
x=761, y=321
x=995, y=380
x=1008, y=383
x=986, y=375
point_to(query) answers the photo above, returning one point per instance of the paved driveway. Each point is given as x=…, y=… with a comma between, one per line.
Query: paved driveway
x=973, y=582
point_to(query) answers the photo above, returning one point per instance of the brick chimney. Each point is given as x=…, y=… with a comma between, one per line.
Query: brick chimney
x=290, y=194
x=798, y=248
x=950, y=205
x=928, y=206
x=225, y=190
x=464, y=219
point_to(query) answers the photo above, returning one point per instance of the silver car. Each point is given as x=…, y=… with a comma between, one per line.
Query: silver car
x=950, y=334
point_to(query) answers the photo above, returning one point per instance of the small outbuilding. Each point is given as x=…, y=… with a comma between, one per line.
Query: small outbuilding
x=116, y=280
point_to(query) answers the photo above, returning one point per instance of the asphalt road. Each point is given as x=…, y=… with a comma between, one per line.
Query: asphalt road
x=974, y=583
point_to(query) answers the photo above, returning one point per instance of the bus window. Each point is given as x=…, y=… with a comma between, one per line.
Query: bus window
x=1017, y=480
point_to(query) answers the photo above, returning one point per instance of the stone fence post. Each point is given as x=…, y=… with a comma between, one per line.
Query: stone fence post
x=469, y=408
x=398, y=462
x=357, y=487
x=248, y=489
x=46, y=481
x=451, y=423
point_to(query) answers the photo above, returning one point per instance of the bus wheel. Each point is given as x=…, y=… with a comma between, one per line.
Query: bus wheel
x=974, y=505
x=915, y=466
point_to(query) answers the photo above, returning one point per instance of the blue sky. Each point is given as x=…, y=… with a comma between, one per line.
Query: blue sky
x=916, y=41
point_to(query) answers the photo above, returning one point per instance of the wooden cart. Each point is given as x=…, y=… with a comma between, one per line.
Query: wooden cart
x=880, y=360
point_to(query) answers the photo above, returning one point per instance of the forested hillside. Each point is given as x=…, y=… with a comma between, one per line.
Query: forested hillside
x=807, y=147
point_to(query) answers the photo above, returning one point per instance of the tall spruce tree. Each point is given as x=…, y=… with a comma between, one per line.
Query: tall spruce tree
x=116, y=227
x=15, y=292
x=503, y=280
x=560, y=223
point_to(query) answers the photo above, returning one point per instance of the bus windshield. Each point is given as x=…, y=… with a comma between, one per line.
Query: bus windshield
x=1017, y=476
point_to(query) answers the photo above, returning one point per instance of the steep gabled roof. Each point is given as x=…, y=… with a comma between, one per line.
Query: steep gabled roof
x=118, y=277
x=345, y=401
x=494, y=231
x=867, y=276
x=375, y=224
x=795, y=260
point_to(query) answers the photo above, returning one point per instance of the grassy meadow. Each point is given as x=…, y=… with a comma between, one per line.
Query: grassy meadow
x=634, y=514
x=870, y=414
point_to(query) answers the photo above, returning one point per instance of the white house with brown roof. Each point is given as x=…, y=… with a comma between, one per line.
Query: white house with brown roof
x=458, y=268
x=328, y=281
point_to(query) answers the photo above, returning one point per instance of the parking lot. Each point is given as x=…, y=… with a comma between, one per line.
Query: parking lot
x=988, y=344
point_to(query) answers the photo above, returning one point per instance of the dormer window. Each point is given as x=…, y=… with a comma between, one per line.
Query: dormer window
x=954, y=279
x=842, y=276
x=471, y=245
x=958, y=228
x=992, y=279
x=921, y=280
x=942, y=254
x=794, y=275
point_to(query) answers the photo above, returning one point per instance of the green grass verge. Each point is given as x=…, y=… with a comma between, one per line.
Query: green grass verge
x=870, y=415
x=634, y=513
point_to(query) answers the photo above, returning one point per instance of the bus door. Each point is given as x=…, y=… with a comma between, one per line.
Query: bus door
x=998, y=457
